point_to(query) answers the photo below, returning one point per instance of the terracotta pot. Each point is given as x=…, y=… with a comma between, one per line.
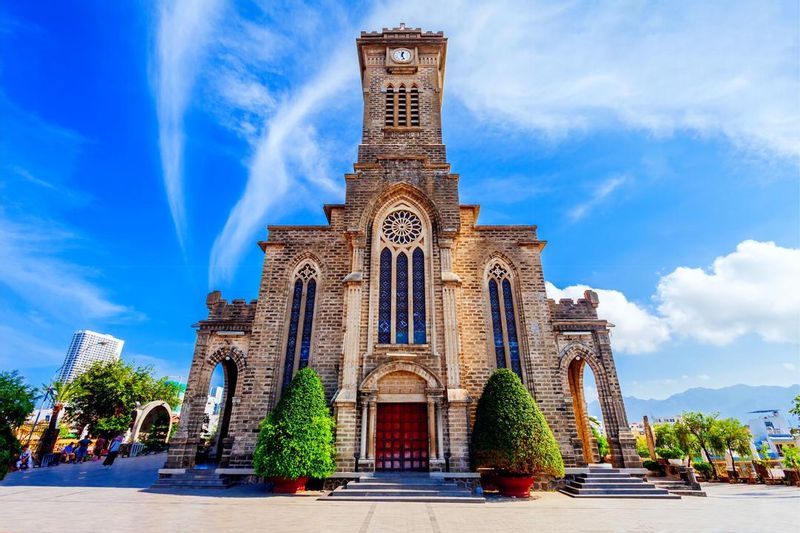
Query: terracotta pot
x=515, y=486
x=282, y=485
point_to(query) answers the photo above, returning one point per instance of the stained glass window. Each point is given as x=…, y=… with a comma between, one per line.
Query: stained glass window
x=418, y=262
x=308, y=319
x=291, y=343
x=385, y=299
x=511, y=327
x=497, y=325
x=401, y=305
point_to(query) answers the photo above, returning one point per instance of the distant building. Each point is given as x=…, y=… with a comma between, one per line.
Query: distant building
x=181, y=395
x=87, y=348
x=769, y=426
x=664, y=419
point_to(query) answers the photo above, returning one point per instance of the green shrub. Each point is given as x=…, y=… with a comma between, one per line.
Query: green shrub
x=704, y=468
x=296, y=439
x=669, y=453
x=791, y=457
x=653, y=466
x=510, y=433
x=641, y=447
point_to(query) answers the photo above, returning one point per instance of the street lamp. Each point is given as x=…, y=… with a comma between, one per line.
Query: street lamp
x=49, y=392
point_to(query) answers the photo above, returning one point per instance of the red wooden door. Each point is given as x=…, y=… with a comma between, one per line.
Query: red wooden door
x=402, y=437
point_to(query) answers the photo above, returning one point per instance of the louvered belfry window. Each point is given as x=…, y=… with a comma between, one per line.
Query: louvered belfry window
x=402, y=106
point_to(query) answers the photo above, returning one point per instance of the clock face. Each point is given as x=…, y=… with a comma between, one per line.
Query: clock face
x=401, y=55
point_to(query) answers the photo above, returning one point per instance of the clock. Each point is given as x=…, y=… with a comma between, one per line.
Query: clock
x=401, y=55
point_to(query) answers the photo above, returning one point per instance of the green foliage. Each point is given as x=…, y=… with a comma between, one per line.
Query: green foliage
x=730, y=435
x=791, y=457
x=697, y=428
x=602, y=442
x=16, y=402
x=110, y=389
x=296, y=439
x=641, y=446
x=157, y=436
x=764, y=458
x=795, y=410
x=510, y=433
x=669, y=453
x=111, y=426
x=704, y=468
x=653, y=466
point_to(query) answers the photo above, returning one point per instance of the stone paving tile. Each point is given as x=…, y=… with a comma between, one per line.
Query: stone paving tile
x=27, y=504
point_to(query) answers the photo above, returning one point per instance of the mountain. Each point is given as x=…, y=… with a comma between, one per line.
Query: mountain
x=736, y=401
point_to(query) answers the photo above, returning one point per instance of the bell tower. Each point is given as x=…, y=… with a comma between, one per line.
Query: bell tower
x=402, y=77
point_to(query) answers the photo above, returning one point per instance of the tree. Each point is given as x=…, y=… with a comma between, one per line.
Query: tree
x=700, y=426
x=732, y=436
x=16, y=402
x=62, y=392
x=795, y=410
x=296, y=439
x=510, y=432
x=113, y=389
x=602, y=442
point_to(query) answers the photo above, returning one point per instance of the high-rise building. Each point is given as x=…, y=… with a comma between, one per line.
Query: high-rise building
x=87, y=348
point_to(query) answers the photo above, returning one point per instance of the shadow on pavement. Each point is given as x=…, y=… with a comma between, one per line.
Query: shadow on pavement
x=133, y=472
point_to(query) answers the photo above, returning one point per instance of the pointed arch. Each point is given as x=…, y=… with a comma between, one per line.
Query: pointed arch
x=504, y=318
x=301, y=309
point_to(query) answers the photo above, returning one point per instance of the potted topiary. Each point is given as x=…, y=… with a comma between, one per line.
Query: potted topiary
x=295, y=441
x=512, y=436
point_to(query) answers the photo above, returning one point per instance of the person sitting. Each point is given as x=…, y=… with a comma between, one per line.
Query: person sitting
x=68, y=452
x=25, y=459
x=99, y=444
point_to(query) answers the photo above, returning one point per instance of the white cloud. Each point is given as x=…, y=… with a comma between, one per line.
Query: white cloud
x=600, y=194
x=752, y=290
x=32, y=269
x=710, y=69
x=636, y=330
x=184, y=29
x=789, y=366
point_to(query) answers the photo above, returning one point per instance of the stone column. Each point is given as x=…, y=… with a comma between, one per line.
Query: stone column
x=345, y=401
x=373, y=418
x=363, y=451
x=432, y=452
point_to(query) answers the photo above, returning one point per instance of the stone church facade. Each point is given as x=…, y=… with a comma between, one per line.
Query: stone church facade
x=403, y=304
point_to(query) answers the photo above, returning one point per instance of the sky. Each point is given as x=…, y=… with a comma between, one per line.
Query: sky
x=144, y=147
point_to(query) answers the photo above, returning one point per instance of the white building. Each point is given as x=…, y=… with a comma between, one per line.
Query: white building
x=769, y=426
x=212, y=409
x=87, y=348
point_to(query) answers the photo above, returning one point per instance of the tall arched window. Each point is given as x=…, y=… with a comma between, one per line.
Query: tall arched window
x=301, y=322
x=504, y=319
x=402, y=106
x=401, y=293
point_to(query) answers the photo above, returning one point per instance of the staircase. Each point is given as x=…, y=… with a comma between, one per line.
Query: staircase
x=612, y=483
x=679, y=487
x=194, y=478
x=402, y=488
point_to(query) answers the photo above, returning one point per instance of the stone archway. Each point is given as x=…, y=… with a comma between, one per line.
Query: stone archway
x=150, y=414
x=401, y=424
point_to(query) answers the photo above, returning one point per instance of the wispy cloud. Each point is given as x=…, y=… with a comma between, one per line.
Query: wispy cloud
x=184, y=30
x=601, y=193
x=31, y=267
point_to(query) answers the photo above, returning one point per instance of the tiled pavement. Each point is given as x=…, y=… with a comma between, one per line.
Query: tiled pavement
x=82, y=498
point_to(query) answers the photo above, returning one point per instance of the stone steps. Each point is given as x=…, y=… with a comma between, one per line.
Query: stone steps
x=612, y=483
x=193, y=479
x=419, y=488
x=680, y=488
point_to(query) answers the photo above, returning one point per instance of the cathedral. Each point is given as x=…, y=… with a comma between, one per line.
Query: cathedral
x=403, y=304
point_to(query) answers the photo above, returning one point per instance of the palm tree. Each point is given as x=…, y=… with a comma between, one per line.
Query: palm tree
x=61, y=392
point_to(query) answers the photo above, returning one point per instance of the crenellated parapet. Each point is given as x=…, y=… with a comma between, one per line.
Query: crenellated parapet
x=583, y=309
x=237, y=315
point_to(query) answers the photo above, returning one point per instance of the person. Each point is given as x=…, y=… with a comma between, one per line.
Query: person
x=25, y=459
x=99, y=444
x=68, y=452
x=83, y=449
x=113, y=450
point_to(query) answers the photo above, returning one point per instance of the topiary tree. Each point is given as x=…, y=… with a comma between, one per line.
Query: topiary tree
x=296, y=439
x=510, y=433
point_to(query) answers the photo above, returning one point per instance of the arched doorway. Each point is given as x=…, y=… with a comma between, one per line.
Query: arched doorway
x=576, y=374
x=217, y=411
x=152, y=424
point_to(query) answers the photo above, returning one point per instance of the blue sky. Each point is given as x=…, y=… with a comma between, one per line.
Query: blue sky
x=144, y=147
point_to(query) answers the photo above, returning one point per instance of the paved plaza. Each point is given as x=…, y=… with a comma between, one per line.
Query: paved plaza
x=91, y=497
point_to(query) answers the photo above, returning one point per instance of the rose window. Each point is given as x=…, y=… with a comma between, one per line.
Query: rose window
x=402, y=227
